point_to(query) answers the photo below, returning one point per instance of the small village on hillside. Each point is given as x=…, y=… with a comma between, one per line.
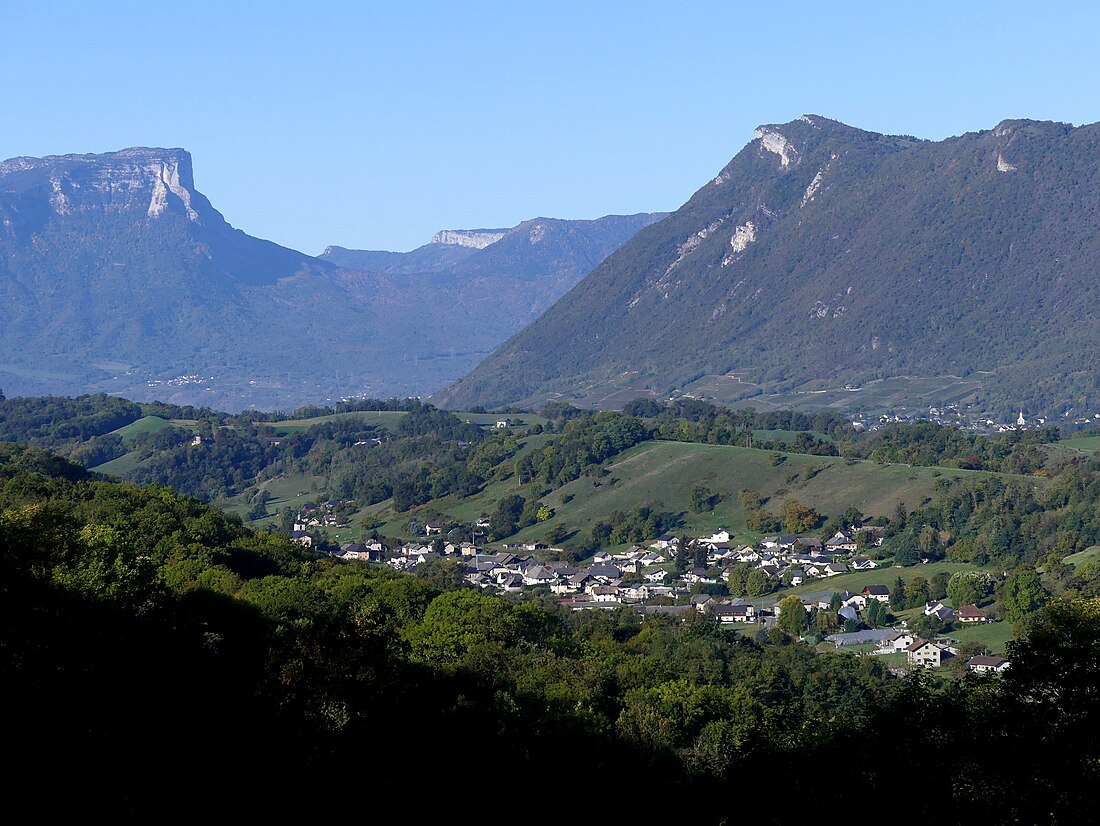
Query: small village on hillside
x=665, y=578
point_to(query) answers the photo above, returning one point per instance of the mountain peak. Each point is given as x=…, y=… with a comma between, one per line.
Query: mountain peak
x=154, y=179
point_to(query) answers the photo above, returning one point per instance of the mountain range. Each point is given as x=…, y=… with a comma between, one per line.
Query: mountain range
x=830, y=265
x=118, y=275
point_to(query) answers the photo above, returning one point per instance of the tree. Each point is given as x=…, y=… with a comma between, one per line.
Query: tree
x=1022, y=594
x=700, y=555
x=505, y=520
x=798, y=517
x=899, y=597
x=938, y=584
x=927, y=626
x=826, y=621
x=901, y=515
x=701, y=498
x=738, y=580
x=760, y=521
x=681, y=556
x=919, y=591
x=557, y=534
x=792, y=616
x=966, y=587
x=443, y=574
x=928, y=540
x=872, y=614
x=757, y=583
x=907, y=555
x=750, y=499
x=1055, y=669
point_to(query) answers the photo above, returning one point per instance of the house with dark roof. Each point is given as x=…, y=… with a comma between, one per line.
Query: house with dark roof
x=840, y=541
x=879, y=592
x=987, y=664
x=726, y=612
x=605, y=572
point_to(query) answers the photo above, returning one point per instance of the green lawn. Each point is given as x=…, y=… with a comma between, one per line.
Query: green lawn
x=992, y=634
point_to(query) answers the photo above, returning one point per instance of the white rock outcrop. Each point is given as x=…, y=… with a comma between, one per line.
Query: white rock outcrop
x=477, y=239
x=739, y=242
x=771, y=140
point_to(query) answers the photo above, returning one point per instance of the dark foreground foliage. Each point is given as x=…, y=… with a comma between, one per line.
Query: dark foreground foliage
x=158, y=660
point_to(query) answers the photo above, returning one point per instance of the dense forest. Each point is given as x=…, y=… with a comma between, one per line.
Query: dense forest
x=167, y=652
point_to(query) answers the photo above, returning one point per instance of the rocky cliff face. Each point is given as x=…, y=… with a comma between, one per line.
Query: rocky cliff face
x=133, y=181
x=477, y=239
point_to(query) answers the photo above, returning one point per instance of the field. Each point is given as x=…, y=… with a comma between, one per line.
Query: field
x=883, y=395
x=147, y=424
x=1083, y=443
x=286, y=492
x=858, y=580
x=1086, y=556
x=385, y=419
x=662, y=473
x=120, y=467
x=388, y=419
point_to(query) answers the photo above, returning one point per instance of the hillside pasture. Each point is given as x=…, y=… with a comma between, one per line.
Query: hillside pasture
x=146, y=424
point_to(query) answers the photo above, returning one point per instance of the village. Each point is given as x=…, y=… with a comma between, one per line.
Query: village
x=653, y=579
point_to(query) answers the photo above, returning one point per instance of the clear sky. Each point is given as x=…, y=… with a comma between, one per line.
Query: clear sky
x=373, y=124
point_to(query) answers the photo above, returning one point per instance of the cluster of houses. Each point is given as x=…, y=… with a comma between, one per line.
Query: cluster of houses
x=920, y=653
x=642, y=577
x=327, y=514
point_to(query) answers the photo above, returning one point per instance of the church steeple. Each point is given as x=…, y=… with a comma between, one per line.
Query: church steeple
x=1020, y=421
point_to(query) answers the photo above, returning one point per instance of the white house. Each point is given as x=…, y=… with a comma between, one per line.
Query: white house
x=985, y=664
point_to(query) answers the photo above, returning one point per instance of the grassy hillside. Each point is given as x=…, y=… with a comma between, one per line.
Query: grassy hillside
x=146, y=424
x=380, y=418
x=1085, y=443
x=662, y=474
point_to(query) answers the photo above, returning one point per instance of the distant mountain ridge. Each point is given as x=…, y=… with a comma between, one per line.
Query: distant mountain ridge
x=822, y=256
x=117, y=275
x=538, y=247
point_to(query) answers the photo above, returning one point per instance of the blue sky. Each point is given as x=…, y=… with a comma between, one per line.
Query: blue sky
x=372, y=125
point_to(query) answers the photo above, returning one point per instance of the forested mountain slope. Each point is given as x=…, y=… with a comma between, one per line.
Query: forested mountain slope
x=824, y=255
